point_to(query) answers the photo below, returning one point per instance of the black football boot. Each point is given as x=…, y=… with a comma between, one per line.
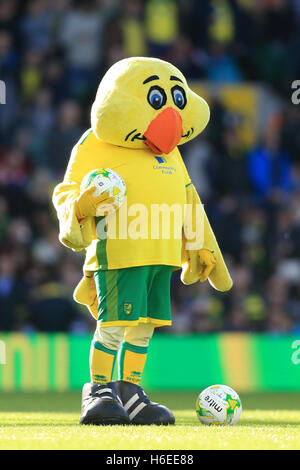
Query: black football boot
x=140, y=409
x=101, y=405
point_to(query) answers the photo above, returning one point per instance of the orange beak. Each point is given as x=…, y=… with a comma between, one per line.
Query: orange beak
x=164, y=132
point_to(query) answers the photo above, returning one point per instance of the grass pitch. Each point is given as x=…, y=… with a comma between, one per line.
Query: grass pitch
x=50, y=421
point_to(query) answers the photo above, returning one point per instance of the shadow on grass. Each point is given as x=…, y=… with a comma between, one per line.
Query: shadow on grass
x=38, y=424
x=194, y=424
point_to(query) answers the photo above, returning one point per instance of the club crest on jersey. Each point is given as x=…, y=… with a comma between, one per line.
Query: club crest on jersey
x=127, y=308
x=161, y=159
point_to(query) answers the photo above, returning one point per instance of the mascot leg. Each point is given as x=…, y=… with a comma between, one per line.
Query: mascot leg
x=132, y=359
x=100, y=401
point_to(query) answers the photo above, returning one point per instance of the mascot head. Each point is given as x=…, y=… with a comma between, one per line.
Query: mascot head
x=143, y=102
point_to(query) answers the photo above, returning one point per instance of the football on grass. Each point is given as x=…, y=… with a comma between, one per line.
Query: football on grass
x=218, y=404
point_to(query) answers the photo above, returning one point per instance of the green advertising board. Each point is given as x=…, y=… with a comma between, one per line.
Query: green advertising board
x=246, y=362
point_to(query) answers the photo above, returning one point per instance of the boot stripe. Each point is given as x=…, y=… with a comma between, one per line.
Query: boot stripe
x=137, y=410
x=108, y=397
x=131, y=401
x=119, y=399
x=104, y=390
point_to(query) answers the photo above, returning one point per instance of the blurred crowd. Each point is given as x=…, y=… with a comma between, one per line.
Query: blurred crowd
x=52, y=56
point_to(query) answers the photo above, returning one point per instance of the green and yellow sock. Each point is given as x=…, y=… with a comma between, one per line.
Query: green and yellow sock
x=132, y=360
x=102, y=362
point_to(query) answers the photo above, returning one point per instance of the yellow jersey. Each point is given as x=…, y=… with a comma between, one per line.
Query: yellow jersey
x=147, y=230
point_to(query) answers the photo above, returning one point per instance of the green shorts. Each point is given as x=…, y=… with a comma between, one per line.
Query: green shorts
x=130, y=296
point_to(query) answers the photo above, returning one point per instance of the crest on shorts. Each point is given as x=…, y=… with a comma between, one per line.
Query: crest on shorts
x=127, y=308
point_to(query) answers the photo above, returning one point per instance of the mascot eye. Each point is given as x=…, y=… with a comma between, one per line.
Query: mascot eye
x=157, y=97
x=179, y=96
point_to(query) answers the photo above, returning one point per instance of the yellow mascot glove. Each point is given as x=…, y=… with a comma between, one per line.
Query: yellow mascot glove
x=87, y=204
x=199, y=264
x=207, y=262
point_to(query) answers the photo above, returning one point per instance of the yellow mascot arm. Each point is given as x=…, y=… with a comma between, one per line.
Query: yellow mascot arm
x=201, y=255
x=86, y=294
x=72, y=233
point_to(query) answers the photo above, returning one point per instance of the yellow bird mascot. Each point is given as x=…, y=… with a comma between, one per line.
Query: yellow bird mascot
x=143, y=110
